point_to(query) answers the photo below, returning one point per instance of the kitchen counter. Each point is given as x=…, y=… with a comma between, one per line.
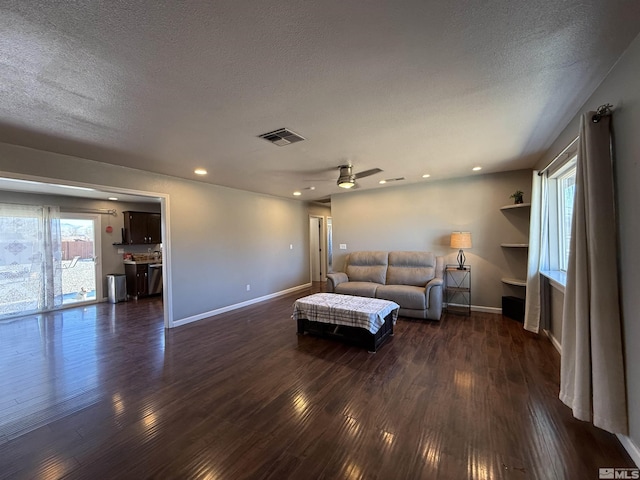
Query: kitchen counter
x=143, y=262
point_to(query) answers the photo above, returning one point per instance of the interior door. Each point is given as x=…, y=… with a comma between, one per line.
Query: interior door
x=315, y=248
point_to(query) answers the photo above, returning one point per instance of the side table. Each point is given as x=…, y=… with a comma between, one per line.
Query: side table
x=457, y=288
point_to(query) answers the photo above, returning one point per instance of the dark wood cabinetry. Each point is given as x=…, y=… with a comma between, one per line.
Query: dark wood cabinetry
x=142, y=228
x=137, y=280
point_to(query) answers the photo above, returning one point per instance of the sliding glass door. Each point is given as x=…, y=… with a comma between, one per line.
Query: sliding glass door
x=47, y=261
x=80, y=254
x=29, y=259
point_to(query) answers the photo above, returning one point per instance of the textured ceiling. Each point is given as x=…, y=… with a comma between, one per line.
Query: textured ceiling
x=411, y=87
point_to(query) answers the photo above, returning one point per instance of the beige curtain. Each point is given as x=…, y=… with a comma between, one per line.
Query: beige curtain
x=592, y=379
x=538, y=247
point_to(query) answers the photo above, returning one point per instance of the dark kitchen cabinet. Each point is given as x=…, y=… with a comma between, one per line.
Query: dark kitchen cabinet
x=141, y=228
x=137, y=280
x=153, y=228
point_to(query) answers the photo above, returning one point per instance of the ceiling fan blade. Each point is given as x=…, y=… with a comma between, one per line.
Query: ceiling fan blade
x=367, y=173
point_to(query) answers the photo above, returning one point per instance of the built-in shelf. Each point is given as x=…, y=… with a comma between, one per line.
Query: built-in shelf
x=514, y=281
x=516, y=205
x=513, y=306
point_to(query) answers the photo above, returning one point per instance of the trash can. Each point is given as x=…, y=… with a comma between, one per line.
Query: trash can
x=117, y=287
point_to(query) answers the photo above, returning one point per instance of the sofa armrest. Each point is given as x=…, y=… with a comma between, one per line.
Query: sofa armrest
x=434, y=282
x=440, y=267
x=335, y=279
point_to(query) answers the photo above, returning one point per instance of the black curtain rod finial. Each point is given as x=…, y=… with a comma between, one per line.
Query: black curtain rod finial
x=602, y=111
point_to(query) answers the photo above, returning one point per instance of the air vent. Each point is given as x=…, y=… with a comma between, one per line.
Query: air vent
x=391, y=180
x=282, y=137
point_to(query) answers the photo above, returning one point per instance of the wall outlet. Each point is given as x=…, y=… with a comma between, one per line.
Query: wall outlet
x=343, y=246
x=121, y=250
x=248, y=287
x=291, y=246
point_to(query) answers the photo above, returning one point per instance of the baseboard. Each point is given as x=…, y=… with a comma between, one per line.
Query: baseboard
x=213, y=313
x=480, y=308
x=554, y=341
x=631, y=448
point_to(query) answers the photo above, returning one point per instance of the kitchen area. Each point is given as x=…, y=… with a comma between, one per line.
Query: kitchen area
x=144, y=275
x=141, y=250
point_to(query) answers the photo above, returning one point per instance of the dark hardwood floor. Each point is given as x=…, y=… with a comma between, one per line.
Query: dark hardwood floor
x=105, y=392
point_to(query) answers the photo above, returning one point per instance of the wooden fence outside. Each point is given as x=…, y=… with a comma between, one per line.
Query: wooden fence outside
x=77, y=248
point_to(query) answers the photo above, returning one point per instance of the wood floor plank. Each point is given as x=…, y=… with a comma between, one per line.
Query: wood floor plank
x=105, y=392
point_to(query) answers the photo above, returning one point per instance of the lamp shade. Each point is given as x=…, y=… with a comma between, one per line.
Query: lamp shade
x=460, y=240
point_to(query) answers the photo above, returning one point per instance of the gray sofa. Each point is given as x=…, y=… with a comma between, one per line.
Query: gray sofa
x=411, y=279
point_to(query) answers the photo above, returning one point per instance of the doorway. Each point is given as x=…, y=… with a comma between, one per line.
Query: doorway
x=317, y=248
x=81, y=251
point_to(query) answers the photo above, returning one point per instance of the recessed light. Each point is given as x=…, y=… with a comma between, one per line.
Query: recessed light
x=475, y=169
x=382, y=182
x=113, y=198
x=200, y=171
x=426, y=175
x=297, y=194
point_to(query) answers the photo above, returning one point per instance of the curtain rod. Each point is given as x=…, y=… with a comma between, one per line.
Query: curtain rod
x=601, y=111
x=99, y=211
x=565, y=151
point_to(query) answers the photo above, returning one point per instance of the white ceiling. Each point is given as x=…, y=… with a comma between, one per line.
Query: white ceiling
x=411, y=87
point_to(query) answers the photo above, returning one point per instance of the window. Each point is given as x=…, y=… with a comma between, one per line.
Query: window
x=566, y=185
x=562, y=184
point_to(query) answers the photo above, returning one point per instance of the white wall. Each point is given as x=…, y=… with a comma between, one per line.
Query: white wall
x=621, y=89
x=221, y=239
x=422, y=217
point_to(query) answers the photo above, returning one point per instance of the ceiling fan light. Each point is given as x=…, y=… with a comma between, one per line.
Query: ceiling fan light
x=347, y=181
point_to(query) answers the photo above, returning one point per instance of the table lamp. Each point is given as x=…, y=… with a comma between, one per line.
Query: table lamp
x=461, y=240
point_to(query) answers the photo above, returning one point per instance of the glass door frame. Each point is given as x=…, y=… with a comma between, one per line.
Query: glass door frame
x=97, y=252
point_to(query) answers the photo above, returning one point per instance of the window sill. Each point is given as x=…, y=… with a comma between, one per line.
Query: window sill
x=557, y=278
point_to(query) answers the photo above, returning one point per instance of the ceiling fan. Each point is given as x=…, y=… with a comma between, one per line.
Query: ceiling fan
x=347, y=178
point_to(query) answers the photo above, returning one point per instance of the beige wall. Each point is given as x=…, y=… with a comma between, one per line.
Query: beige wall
x=318, y=210
x=422, y=217
x=221, y=239
x=620, y=88
x=555, y=312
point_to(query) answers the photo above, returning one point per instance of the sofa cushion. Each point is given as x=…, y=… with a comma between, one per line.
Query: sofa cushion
x=411, y=268
x=406, y=296
x=367, y=267
x=359, y=289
